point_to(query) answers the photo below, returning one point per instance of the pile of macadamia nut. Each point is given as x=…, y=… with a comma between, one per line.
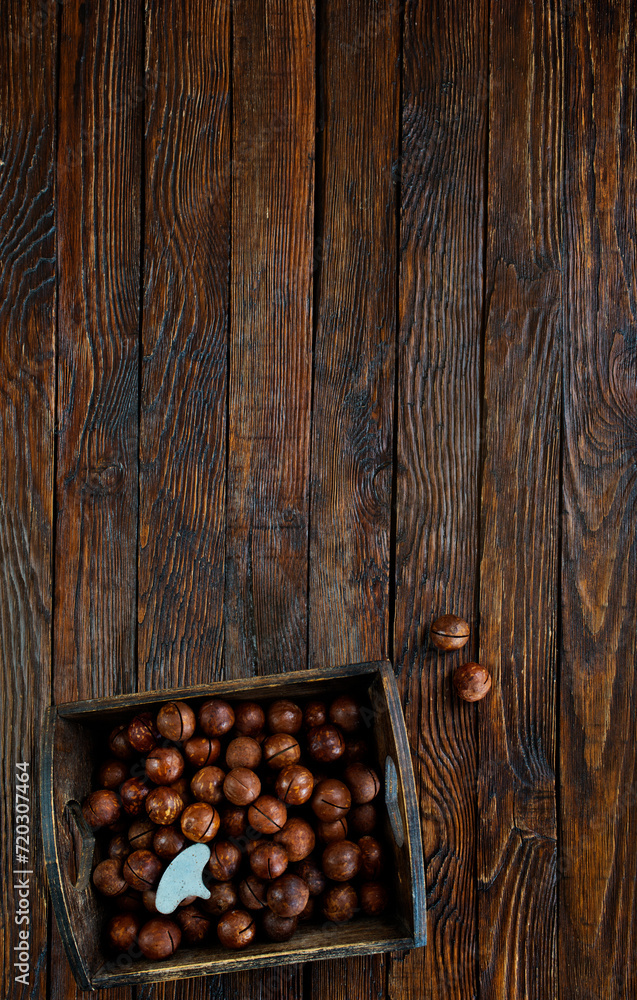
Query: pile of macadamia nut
x=284, y=793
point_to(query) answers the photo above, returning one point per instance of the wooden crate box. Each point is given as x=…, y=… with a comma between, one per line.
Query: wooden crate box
x=72, y=742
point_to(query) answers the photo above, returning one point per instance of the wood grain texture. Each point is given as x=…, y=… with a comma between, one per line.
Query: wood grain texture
x=227, y=388
x=354, y=365
x=444, y=129
x=184, y=349
x=100, y=110
x=185, y=326
x=598, y=725
x=517, y=835
x=28, y=34
x=270, y=336
x=354, y=354
x=99, y=173
x=270, y=357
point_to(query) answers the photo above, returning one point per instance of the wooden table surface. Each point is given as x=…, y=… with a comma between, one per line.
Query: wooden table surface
x=317, y=322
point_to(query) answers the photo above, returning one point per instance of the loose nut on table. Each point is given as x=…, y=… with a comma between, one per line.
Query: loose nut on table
x=450, y=632
x=472, y=681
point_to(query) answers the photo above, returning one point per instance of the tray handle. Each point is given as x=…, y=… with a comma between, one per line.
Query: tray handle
x=87, y=847
x=391, y=801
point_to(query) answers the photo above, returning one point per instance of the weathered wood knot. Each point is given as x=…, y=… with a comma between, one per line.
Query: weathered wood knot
x=105, y=479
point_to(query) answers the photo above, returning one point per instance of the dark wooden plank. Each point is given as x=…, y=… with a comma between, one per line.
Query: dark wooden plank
x=271, y=336
x=28, y=37
x=598, y=722
x=184, y=348
x=519, y=506
x=99, y=165
x=183, y=396
x=354, y=356
x=100, y=114
x=444, y=121
x=265, y=613
x=354, y=364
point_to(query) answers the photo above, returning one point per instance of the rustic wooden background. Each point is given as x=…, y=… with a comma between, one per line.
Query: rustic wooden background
x=316, y=321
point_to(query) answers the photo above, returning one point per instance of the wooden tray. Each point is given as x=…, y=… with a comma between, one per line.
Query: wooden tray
x=71, y=738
